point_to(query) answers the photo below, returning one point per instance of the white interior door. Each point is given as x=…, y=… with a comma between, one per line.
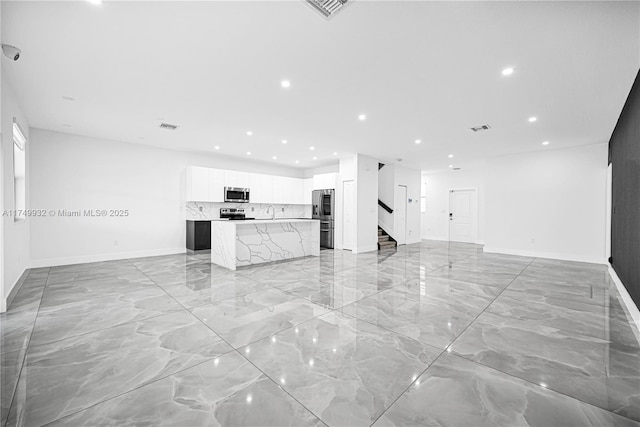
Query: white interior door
x=463, y=216
x=400, y=214
x=348, y=215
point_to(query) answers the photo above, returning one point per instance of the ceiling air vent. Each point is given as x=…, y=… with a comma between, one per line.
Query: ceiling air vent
x=327, y=8
x=456, y=169
x=480, y=128
x=168, y=126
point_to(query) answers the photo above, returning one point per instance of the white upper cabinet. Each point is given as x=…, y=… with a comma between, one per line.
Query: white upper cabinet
x=242, y=179
x=266, y=189
x=207, y=185
x=256, y=193
x=307, y=191
x=278, y=190
x=298, y=191
x=216, y=185
x=231, y=178
x=197, y=184
x=325, y=181
x=288, y=185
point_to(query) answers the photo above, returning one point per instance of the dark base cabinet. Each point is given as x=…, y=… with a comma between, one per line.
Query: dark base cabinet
x=198, y=235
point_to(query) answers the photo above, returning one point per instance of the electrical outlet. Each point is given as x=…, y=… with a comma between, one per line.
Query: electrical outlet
x=253, y=209
x=200, y=208
x=115, y=243
x=533, y=240
x=282, y=209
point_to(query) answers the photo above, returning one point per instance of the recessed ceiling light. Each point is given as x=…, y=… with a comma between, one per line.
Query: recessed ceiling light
x=68, y=98
x=362, y=117
x=312, y=148
x=284, y=141
x=96, y=2
x=297, y=161
x=335, y=154
x=315, y=158
x=217, y=147
x=249, y=133
x=533, y=119
x=507, y=71
x=545, y=143
x=274, y=158
x=451, y=156
x=285, y=84
x=450, y=166
x=248, y=153
x=417, y=141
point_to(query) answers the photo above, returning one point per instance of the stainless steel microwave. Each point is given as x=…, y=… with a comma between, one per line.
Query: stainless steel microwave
x=236, y=195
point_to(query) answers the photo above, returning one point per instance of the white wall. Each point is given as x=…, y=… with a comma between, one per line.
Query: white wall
x=74, y=172
x=411, y=179
x=15, y=239
x=386, y=193
x=363, y=171
x=548, y=204
x=367, y=204
x=436, y=186
x=332, y=168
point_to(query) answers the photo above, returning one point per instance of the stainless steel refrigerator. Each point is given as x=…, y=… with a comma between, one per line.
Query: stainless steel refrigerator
x=324, y=210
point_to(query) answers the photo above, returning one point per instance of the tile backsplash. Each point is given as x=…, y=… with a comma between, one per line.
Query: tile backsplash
x=208, y=210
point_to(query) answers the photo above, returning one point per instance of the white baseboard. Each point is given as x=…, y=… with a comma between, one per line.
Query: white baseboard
x=437, y=238
x=550, y=255
x=83, y=259
x=632, y=309
x=14, y=291
x=446, y=239
x=363, y=249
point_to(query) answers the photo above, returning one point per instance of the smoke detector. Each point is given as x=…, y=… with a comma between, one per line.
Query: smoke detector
x=480, y=128
x=168, y=126
x=327, y=8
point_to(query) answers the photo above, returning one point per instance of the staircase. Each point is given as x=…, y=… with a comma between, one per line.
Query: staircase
x=385, y=241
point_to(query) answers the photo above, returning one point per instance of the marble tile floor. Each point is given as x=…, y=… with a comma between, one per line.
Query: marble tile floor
x=427, y=334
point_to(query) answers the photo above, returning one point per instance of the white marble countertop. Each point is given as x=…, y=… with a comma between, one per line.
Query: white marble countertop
x=265, y=221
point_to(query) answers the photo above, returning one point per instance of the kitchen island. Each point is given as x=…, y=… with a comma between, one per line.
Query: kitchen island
x=237, y=243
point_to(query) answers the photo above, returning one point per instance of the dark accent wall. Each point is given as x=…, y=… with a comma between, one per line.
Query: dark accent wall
x=624, y=155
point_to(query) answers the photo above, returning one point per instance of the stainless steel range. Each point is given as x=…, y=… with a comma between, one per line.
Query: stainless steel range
x=233, y=214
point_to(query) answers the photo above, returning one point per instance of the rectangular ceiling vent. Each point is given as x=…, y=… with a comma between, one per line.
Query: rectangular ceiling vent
x=168, y=126
x=327, y=8
x=480, y=128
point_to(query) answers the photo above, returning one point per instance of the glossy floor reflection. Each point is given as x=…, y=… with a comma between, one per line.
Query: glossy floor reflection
x=428, y=334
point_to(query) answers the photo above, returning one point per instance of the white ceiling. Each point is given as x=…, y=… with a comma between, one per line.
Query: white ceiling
x=418, y=70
